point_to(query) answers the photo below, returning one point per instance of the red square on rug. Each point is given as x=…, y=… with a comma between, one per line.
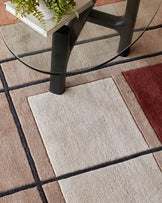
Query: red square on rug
x=146, y=83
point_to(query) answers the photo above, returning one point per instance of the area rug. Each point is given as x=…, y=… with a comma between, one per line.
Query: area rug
x=95, y=127
x=127, y=182
x=26, y=174
x=146, y=83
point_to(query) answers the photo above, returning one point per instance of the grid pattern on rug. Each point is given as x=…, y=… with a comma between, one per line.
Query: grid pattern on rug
x=37, y=186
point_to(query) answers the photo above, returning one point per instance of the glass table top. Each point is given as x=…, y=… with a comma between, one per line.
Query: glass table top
x=95, y=46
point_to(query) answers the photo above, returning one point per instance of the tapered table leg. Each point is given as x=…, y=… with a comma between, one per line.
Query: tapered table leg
x=62, y=43
x=59, y=58
x=126, y=28
x=65, y=38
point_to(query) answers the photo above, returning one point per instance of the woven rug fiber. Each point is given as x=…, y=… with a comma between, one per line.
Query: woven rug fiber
x=127, y=182
x=146, y=83
x=95, y=127
x=131, y=162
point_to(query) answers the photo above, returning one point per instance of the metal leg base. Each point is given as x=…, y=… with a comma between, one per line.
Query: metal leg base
x=125, y=53
x=65, y=38
x=124, y=25
x=57, y=84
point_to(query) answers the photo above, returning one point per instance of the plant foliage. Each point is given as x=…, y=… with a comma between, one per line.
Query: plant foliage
x=59, y=7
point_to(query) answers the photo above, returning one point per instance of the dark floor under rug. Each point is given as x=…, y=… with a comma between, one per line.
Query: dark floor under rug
x=146, y=83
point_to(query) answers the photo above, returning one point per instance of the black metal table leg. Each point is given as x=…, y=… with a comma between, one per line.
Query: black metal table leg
x=127, y=26
x=65, y=38
x=124, y=25
x=62, y=43
x=59, y=59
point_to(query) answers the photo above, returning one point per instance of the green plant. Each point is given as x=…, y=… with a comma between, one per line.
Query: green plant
x=59, y=7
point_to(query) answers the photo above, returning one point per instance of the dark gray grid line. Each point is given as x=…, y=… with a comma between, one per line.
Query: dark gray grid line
x=103, y=165
x=26, y=85
x=2, y=91
x=22, y=138
x=83, y=171
x=18, y=189
x=86, y=71
x=77, y=43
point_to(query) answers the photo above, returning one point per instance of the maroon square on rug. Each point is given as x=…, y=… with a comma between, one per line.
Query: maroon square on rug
x=146, y=83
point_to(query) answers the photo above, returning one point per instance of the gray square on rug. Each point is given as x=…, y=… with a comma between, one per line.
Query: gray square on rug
x=87, y=125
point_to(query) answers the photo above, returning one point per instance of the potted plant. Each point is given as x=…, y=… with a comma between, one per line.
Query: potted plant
x=58, y=8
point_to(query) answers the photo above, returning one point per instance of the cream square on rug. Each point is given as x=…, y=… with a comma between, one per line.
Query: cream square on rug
x=135, y=181
x=90, y=124
x=87, y=125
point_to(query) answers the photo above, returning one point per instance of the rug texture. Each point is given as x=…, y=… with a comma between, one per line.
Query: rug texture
x=128, y=182
x=95, y=127
x=146, y=83
x=26, y=173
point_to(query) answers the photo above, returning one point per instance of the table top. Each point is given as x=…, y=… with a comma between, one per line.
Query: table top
x=95, y=46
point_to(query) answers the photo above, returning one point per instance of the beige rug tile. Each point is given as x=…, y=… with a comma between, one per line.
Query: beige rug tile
x=87, y=125
x=34, y=140
x=4, y=52
x=137, y=180
x=84, y=56
x=15, y=170
x=17, y=73
x=27, y=40
x=157, y=20
x=26, y=196
x=148, y=44
x=146, y=12
x=52, y=194
x=19, y=98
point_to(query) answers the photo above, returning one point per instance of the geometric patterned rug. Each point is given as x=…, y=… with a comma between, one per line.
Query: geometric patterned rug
x=89, y=125
x=26, y=173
